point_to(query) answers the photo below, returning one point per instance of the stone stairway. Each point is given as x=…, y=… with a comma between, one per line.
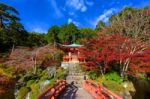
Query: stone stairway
x=75, y=90
x=75, y=75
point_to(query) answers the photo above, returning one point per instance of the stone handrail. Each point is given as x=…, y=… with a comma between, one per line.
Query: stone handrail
x=53, y=92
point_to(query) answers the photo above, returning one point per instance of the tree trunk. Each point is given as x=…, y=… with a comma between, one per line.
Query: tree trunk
x=13, y=47
x=54, y=44
x=35, y=63
x=125, y=67
x=101, y=69
x=1, y=23
x=35, y=67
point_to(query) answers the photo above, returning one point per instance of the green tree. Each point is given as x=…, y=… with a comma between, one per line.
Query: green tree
x=87, y=33
x=13, y=35
x=52, y=35
x=100, y=25
x=63, y=34
x=36, y=39
x=4, y=40
x=68, y=33
x=7, y=14
x=17, y=34
x=11, y=31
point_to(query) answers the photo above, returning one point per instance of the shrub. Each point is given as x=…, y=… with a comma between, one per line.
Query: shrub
x=93, y=75
x=23, y=92
x=33, y=82
x=113, y=76
x=7, y=79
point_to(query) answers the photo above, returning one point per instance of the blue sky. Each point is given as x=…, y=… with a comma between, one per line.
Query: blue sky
x=39, y=15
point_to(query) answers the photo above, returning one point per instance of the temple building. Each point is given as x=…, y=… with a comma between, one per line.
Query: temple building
x=73, y=54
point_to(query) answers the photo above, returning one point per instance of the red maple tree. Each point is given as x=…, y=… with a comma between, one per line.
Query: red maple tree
x=140, y=63
x=105, y=49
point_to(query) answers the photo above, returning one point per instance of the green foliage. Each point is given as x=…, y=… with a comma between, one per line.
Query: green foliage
x=12, y=32
x=60, y=73
x=113, y=76
x=52, y=35
x=68, y=33
x=86, y=33
x=100, y=25
x=17, y=33
x=13, y=35
x=32, y=82
x=93, y=75
x=8, y=14
x=8, y=71
x=23, y=92
x=114, y=86
x=112, y=81
x=35, y=90
x=108, y=77
x=36, y=39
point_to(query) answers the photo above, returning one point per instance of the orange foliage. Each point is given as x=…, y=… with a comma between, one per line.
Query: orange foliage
x=5, y=83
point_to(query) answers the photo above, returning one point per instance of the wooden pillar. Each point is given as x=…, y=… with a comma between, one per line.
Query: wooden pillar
x=70, y=56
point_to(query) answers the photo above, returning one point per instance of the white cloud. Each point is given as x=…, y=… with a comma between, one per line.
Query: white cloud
x=71, y=13
x=105, y=16
x=36, y=27
x=56, y=9
x=39, y=30
x=72, y=21
x=83, y=9
x=77, y=4
x=89, y=3
x=69, y=20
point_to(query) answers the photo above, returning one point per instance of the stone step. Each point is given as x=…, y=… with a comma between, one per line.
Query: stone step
x=75, y=78
x=75, y=74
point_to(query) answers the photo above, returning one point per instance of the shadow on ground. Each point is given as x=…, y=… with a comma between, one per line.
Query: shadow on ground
x=69, y=92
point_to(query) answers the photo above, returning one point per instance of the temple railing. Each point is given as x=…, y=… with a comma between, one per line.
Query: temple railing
x=99, y=91
x=54, y=92
x=68, y=58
